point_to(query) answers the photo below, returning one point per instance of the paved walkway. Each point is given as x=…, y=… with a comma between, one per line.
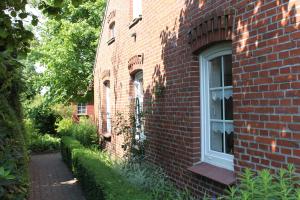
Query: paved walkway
x=51, y=179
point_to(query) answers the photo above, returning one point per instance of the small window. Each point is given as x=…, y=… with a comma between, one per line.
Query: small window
x=139, y=100
x=217, y=106
x=136, y=9
x=107, y=109
x=112, y=30
x=81, y=109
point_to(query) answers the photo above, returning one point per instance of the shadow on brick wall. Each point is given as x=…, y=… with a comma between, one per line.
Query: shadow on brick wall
x=265, y=37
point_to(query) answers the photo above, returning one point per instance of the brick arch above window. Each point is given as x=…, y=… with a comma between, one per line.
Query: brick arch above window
x=214, y=27
x=135, y=63
x=105, y=75
x=111, y=16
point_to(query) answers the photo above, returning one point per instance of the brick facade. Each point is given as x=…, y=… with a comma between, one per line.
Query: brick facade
x=166, y=43
x=89, y=111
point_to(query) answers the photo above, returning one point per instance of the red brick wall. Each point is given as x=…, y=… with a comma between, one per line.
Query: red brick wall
x=266, y=71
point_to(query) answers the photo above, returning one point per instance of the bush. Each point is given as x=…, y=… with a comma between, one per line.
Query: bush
x=281, y=186
x=85, y=131
x=64, y=127
x=13, y=154
x=97, y=179
x=153, y=179
x=37, y=142
x=44, y=143
x=43, y=118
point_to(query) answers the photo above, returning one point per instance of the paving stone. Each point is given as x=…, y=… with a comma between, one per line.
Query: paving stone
x=50, y=179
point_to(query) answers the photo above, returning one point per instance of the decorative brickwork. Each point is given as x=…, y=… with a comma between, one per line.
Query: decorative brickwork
x=105, y=75
x=213, y=27
x=135, y=63
x=111, y=16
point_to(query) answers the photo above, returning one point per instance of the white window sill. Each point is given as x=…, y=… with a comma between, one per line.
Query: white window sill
x=110, y=41
x=135, y=21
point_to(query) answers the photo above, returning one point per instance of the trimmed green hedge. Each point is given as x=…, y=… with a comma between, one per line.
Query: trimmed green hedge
x=97, y=179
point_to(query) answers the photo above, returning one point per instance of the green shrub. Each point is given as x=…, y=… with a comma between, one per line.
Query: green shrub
x=153, y=179
x=37, y=142
x=84, y=131
x=68, y=144
x=44, y=143
x=43, y=118
x=13, y=154
x=264, y=185
x=64, y=127
x=97, y=178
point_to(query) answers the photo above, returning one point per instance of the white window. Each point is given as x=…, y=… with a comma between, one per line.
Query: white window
x=107, y=102
x=217, y=106
x=136, y=9
x=112, y=30
x=81, y=109
x=139, y=99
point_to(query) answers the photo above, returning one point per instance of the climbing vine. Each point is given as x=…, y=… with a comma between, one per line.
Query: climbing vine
x=132, y=128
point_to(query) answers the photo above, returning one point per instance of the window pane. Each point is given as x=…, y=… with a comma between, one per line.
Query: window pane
x=228, y=108
x=227, y=70
x=229, y=142
x=216, y=136
x=215, y=73
x=216, y=104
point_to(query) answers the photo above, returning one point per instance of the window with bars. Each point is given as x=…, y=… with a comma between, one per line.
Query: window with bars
x=217, y=106
x=81, y=109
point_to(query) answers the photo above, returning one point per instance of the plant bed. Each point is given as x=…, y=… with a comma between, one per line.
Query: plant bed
x=97, y=179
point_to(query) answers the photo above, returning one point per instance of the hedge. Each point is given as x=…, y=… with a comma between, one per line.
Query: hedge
x=97, y=179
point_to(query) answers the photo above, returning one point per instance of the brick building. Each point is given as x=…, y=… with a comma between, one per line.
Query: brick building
x=220, y=79
x=82, y=110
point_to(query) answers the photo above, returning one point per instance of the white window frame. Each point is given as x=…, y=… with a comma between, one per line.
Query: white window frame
x=138, y=86
x=219, y=159
x=107, y=109
x=136, y=9
x=81, y=109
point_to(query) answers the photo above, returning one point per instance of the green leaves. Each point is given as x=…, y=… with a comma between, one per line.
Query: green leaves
x=5, y=175
x=67, y=49
x=266, y=186
x=23, y=15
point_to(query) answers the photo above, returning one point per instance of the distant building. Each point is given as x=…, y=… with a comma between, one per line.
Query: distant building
x=83, y=110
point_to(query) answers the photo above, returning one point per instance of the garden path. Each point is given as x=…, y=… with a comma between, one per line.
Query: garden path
x=51, y=179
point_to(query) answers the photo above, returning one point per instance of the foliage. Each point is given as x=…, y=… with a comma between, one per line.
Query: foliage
x=281, y=186
x=13, y=155
x=153, y=180
x=67, y=49
x=64, y=127
x=37, y=142
x=97, y=179
x=149, y=178
x=44, y=143
x=134, y=147
x=44, y=118
x=84, y=131
x=14, y=44
x=65, y=111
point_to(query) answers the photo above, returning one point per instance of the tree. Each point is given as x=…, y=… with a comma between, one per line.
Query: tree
x=67, y=50
x=14, y=44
